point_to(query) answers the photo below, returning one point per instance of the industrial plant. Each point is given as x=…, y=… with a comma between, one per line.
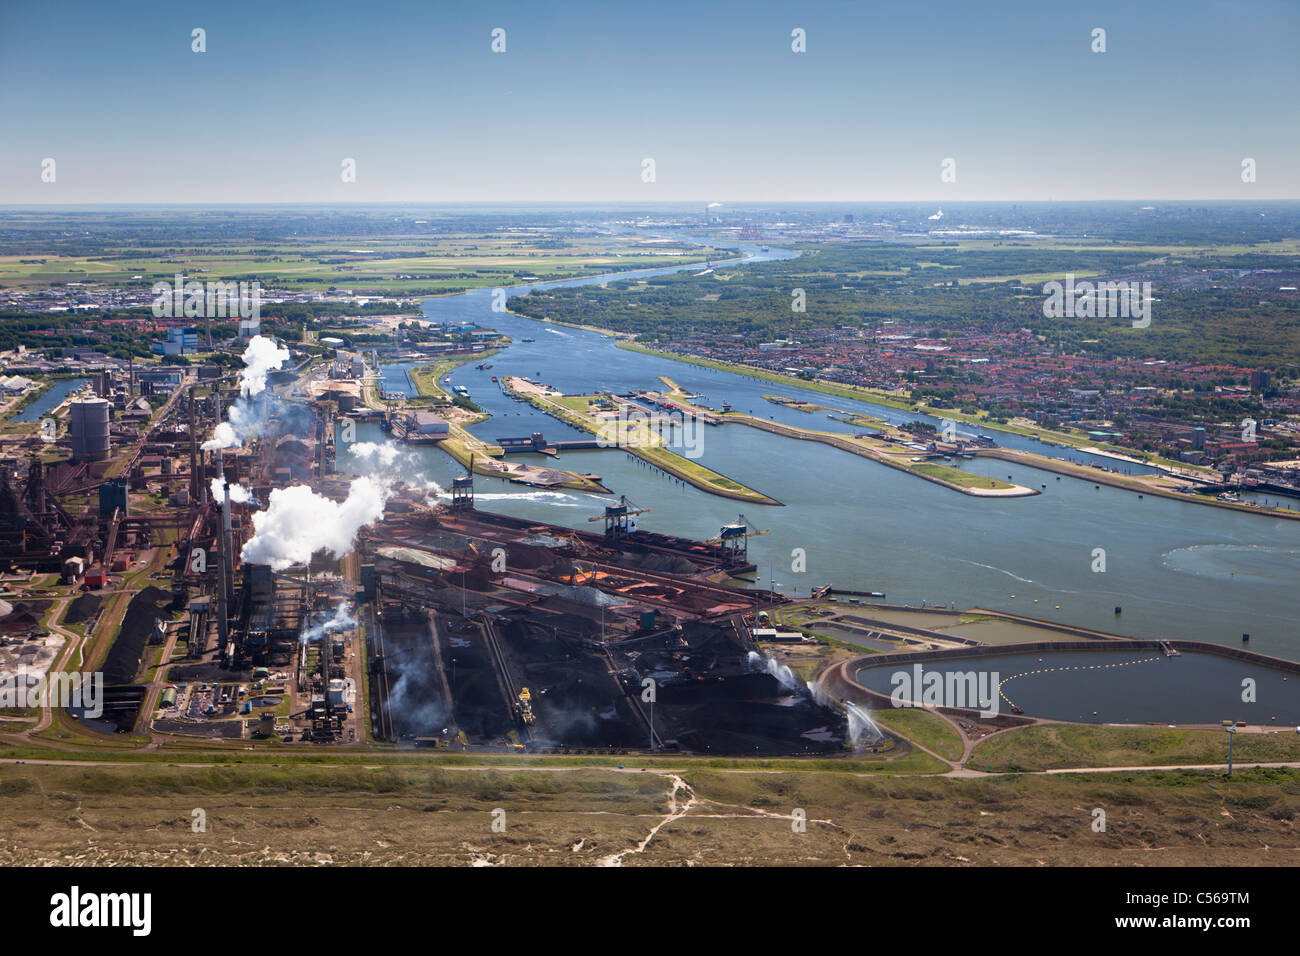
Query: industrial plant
x=233, y=584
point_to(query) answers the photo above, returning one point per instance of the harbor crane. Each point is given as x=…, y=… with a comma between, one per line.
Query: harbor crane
x=616, y=518
x=733, y=541
x=462, y=489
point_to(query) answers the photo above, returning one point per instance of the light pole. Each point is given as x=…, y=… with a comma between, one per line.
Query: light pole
x=1232, y=732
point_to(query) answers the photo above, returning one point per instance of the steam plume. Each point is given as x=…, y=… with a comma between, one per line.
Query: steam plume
x=244, y=419
x=238, y=493
x=261, y=357
x=298, y=522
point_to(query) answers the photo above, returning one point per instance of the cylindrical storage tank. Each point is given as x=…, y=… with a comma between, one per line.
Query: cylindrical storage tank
x=88, y=426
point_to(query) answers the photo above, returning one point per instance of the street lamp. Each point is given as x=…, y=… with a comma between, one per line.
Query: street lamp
x=1232, y=732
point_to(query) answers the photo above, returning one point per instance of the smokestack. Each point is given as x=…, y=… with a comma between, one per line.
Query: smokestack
x=227, y=547
x=196, y=480
x=223, y=579
x=207, y=324
x=222, y=619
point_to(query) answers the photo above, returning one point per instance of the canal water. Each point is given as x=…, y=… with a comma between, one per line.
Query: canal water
x=50, y=400
x=1176, y=569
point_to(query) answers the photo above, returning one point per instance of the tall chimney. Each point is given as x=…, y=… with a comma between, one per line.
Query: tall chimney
x=223, y=590
x=196, y=480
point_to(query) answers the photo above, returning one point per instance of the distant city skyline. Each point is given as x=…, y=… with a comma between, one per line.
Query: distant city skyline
x=581, y=97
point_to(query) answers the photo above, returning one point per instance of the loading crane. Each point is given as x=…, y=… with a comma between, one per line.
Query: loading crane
x=733, y=541
x=462, y=489
x=615, y=518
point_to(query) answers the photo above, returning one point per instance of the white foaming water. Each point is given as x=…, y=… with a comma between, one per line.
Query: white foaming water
x=554, y=498
x=818, y=694
x=861, y=725
x=778, y=670
x=990, y=567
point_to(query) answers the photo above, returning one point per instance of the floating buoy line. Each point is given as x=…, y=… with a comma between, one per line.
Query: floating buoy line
x=1075, y=667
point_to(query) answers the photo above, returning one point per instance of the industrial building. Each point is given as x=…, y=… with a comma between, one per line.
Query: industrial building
x=179, y=341
x=88, y=425
x=422, y=426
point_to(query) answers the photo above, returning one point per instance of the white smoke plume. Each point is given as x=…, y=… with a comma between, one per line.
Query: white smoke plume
x=238, y=493
x=223, y=436
x=298, y=522
x=261, y=357
x=244, y=418
x=341, y=620
x=370, y=452
x=389, y=462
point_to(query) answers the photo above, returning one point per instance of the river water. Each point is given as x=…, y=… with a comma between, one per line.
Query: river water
x=1176, y=569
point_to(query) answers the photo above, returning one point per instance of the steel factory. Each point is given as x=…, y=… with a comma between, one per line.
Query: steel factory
x=157, y=514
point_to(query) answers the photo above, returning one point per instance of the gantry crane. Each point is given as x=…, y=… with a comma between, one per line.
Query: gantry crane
x=615, y=518
x=733, y=541
x=462, y=489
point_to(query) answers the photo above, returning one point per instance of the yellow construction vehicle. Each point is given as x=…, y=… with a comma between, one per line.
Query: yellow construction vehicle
x=526, y=706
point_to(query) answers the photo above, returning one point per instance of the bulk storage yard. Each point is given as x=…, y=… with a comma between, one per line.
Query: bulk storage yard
x=494, y=631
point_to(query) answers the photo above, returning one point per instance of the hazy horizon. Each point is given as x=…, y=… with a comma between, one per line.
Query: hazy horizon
x=600, y=203
x=582, y=96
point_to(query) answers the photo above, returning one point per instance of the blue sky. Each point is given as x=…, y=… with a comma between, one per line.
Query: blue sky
x=585, y=91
